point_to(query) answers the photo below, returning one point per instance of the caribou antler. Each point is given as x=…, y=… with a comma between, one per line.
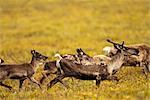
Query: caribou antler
x=110, y=41
x=122, y=43
x=116, y=45
x=82, y=52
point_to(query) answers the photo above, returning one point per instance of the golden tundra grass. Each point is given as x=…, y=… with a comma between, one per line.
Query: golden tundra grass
x=51, y=26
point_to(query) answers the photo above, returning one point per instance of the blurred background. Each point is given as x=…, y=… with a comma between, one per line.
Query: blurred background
x=51, y=26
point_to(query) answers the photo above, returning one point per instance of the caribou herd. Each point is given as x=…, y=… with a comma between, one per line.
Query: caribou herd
x=80, y=65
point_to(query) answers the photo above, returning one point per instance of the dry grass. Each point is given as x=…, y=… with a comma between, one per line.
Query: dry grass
x=51, y=26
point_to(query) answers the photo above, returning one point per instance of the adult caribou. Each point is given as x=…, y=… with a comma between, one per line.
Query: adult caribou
x=142, y=59
x=93, y=72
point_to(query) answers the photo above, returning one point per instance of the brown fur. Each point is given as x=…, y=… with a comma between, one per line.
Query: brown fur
x=143, y=58
x=49, y=68
x=92, y=72
x=21, y=71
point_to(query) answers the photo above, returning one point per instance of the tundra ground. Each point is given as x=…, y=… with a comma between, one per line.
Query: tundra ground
x=52, y=26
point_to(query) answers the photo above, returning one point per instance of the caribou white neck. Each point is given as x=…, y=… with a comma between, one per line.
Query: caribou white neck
x=58, y=62
x=116, y=63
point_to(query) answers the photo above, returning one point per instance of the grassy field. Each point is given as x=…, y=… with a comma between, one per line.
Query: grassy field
x=51, y=26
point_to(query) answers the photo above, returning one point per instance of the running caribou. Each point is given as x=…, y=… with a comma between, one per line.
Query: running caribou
x=50, y=67
x=80, y=58
x=22, y=72
x=93, y=72
x=142, y=59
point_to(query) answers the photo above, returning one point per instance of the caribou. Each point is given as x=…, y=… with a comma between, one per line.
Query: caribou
x=142, y=59
x=130, y=61
x=22, y=72
x=80, y=58
x=51, y=68
x=93, y=72
x=85, y=59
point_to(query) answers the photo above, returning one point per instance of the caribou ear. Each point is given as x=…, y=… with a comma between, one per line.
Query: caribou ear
x=81, y=50
x=78, y=50
x=33, y=52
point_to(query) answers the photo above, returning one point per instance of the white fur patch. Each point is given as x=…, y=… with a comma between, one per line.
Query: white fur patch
x=58, y=56
x=58, y=66
x=103, y=57
x=115, y=64
x=58, y=62
x=41, y=63
x=107, y=49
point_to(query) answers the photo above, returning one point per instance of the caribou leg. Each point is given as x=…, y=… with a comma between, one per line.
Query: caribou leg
x=113, y=78
x=55, y=80
x=98, y=80
x=9, y=87
x=146, y=72
x=20, y=83
x=63, y=83
x=43, y=78
x=146, y=69
x=34, y=81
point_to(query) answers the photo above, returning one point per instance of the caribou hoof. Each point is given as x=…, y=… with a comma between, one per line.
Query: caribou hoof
x=113, y=78
x=10, y=88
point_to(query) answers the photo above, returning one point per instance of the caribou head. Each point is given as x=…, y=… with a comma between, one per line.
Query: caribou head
x=123, y=49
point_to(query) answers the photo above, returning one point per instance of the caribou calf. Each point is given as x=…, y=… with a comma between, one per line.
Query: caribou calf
x=23, y=71
x=85, y=59
x=50, y=67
